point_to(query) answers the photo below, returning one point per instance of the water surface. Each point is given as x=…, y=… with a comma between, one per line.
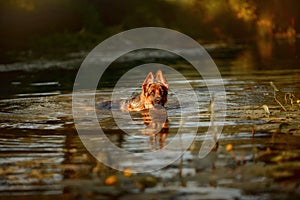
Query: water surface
x=42, y=155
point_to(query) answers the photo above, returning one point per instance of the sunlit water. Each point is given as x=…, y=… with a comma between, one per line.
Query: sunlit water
x=40, y=151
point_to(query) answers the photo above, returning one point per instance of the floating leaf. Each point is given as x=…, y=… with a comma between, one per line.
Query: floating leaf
x=127, y=172
x=111, y=180
x=229, y=147
x=266, y=108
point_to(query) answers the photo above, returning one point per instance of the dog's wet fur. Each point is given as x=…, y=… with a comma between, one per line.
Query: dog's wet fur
x=153, y=93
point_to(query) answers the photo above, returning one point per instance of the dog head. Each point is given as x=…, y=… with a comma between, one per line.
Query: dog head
x=155, y=93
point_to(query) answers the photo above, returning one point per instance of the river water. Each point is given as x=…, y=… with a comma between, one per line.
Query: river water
x=43, y=157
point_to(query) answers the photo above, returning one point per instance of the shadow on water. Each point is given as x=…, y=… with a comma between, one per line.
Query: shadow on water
x=258, y=156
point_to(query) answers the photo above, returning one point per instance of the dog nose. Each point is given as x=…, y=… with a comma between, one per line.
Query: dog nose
x=157, y=100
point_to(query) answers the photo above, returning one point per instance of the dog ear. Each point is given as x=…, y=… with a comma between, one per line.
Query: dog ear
x=149, y=79
x=161, y=79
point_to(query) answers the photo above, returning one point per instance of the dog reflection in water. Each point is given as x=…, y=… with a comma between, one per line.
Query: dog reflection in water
x=157, y=125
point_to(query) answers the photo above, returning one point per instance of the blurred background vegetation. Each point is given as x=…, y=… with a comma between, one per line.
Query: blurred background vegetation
x=38, y=29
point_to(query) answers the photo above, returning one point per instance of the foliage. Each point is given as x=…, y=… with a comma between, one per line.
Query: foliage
x=43, y=25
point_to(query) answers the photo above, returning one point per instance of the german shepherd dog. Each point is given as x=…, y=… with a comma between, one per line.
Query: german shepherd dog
x=153, y=94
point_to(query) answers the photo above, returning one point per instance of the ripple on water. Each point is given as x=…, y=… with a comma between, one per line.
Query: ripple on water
x=30, y=162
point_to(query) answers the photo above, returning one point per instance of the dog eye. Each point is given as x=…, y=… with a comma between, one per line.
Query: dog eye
x=162, y=92
x=152, y=93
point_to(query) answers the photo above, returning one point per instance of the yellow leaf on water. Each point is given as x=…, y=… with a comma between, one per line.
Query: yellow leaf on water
x=229, y=147
x=111, y=180
x=266, y=108
x=127, y=172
